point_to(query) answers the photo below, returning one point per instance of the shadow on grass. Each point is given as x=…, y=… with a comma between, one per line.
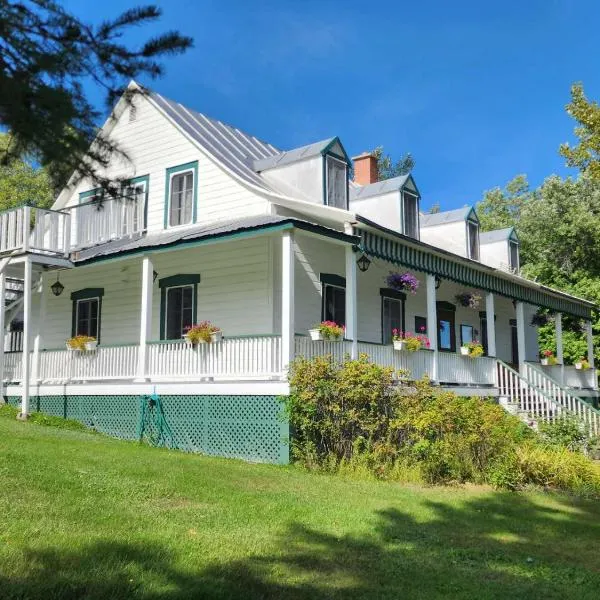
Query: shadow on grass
x=502, y=546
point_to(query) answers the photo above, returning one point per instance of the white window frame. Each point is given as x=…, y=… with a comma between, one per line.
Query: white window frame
x=329, y=157
x=135, y=215
x=386, y=330
x=516, y=267
x=169, y=196
x=166, y=308
x=77, y=302
x=416, y=235
x=469, y=254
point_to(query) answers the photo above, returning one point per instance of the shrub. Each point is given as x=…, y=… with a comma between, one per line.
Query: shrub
x=566, y=432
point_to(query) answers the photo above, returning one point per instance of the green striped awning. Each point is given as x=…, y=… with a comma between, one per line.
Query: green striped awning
x=404, y=255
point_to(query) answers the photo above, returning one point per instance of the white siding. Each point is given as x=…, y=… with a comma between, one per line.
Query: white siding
x=449, y=236
x=235, y=291
x=153, y=145
x=495, y=254
x=302, y=179
x=383, y=209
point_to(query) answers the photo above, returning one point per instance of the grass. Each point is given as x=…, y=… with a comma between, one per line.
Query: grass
x=85, y=516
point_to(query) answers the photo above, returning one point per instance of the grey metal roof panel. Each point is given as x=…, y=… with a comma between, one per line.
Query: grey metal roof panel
x=498, y=235
x=447, y=216
x=378, y=188
x=291, y=156
x=235, y=149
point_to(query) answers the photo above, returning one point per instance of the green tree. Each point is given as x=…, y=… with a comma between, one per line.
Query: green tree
x=586, y=154
x=46, y=56
x=501, y=208
x=21, y=182
x=387, y=169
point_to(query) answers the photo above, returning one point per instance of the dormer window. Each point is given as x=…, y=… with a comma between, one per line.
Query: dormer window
x=513, y=255
x=410, y=215
x=336, y=174
x=473, y=239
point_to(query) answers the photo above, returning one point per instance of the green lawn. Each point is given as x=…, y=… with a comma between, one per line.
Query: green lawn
x=84, y=516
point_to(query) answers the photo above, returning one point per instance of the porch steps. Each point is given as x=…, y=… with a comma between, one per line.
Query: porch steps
x=535, y=397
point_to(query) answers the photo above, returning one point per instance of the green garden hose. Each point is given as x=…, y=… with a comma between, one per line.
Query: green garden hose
x=152, y=426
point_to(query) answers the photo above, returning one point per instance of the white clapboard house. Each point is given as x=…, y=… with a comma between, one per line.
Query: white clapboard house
x=215, y=224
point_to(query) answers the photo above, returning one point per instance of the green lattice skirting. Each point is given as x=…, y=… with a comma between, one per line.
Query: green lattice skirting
x=249, y=427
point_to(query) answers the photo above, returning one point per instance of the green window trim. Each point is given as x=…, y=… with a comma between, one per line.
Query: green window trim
x=173, y=281
x=443, y=305
x=145, y=179
x=332, y=279
x=86, y=294
x=190, y=166
x=392, y=295
x=83, y=196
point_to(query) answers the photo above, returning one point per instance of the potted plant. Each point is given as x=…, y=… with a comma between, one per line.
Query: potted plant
x=81, y=343
x=472, y=349
x=548, y=358
x=402, y=282
x=398, y=339
x=327, y=330
x=468, y=300
x=411, y=342
x=582, y=364
x=203, y=333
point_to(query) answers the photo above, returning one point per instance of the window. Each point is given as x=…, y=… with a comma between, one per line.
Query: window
x=133, y=203
x=467, y=334
x=484, y=333
x=513, y=248
x=410, y=211
x=181, y=199
x=473, y=239
x=336, y=182
x=87, y=307
x=421, y=325
x=446, y=329
x=334, y=304
x=392, y=313
x=178, y=301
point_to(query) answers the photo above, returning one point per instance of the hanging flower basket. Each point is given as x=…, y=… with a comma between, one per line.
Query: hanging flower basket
x=203, y=333
x=402, y=282
x=468, y=300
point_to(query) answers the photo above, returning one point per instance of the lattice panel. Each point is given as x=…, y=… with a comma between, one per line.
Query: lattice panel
x=247, y=427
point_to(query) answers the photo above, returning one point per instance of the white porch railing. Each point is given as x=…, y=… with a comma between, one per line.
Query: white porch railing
x=252, y=356
x=105, y=363
x=456, y=369
x=13, y=366
x=97, y=222
x=13, y=341
x=570, y=377
x=37, y=229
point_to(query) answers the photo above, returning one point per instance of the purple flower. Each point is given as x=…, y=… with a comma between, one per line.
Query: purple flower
x=403, y=282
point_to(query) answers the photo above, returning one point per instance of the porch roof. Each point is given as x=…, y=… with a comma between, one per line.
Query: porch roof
x=402, y=250
x=179, y=237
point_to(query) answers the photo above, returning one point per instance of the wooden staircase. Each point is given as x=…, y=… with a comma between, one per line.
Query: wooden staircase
x=534, y=396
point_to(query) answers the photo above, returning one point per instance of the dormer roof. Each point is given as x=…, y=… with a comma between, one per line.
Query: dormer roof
x=449, y=216
x=383, y=187
x=295, y=155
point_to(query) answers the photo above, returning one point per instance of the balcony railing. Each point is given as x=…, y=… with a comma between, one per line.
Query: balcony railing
x=35, y=229
x=570, y=377
x=463, y=370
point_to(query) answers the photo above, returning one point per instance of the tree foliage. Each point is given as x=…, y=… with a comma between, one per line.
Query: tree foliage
x=586, y=154
x=22, y=182
x=46, y=56
x=387, y=169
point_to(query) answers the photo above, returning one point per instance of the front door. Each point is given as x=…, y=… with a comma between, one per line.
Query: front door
x=514, y=343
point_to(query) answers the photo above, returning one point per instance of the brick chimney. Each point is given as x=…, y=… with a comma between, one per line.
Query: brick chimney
x=365, y=168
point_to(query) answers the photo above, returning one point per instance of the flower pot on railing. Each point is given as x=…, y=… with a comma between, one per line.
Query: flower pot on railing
x=327, y=331
x=545, y=362
x=315, y=335
x=91, y=346
x=464, y=350
x=216, y=336
x=399, y=345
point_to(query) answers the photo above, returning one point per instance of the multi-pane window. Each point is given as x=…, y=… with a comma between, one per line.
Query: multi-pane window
x=473, y=239
x=337, y=183
x=179, y=311
x=181, y=198
x=410, y=210
x=466, y=334
x=513, y=248
x=132, y=208
x=87, y=313
x=334, y=304
x=446, y=330
x=392, y=317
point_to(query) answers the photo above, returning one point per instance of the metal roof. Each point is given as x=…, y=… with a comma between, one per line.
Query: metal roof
x=290, y=156
x=235, y=149
x=181, y=235
x=497, y=235
x=447, y=216
x=378, y=188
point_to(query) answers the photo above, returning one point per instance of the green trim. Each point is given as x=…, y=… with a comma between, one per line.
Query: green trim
x=389, y=293
x=190, y=166
x=443, y=305
x=325, y=154
x=146, y=180
x=174, y=281
x=392, y=295
x=87, y=293
x=181, y=279
x=405, y=252
x=332, y=279
x=88, y=194
x=332, y=143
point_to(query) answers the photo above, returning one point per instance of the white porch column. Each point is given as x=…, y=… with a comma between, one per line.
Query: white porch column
x=490, y=324
x=351, y=304
x=559, y=337
x=520, y=314
x=287, y=299
x=145, y=317
x=590, y=343
x=432, y=323
x=2, y=330
x=37, y=340
x=26, y=362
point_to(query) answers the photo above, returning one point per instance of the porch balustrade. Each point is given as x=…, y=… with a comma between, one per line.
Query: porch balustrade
x=569, y=376
x=458, y=369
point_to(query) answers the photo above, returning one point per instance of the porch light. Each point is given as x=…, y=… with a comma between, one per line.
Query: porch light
x=57, y=287
x=438, y=282
x=363, y=263
x=154, y=276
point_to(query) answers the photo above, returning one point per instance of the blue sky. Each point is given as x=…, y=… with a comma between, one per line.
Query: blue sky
x=474, y=90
